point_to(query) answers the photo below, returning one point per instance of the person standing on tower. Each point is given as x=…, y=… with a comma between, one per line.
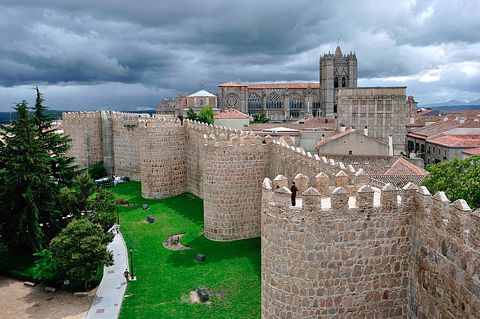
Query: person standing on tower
x=294, y=190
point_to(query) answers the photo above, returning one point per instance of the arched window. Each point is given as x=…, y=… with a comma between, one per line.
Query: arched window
x=273, y=101
x=343, y=82
x=295, y=101
x=335, y=82
x=254, y=102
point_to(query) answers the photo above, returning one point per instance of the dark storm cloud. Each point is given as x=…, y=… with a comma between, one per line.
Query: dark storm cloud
x=128, y=53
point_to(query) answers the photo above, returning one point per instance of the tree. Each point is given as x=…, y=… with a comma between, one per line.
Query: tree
x=45, y=268
x=63, y=169
x=83, y=200
x=103, y=206
x=457, y=178
x=28, y=191
x=260, y=118
x=206, y=115
x=191, y=115
x=80, y=249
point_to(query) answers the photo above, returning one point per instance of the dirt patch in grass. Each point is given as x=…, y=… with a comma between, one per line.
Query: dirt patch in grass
x=173, y=242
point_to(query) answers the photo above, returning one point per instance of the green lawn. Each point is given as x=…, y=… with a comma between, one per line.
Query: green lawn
x=165, y=277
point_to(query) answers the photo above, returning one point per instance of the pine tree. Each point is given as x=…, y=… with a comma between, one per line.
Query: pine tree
x=62, y=167
x=27, y=190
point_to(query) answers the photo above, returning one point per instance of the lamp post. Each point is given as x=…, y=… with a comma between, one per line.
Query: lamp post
x=131, y=262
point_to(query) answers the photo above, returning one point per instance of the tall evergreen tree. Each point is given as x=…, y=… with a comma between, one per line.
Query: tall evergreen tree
x=62, y=167
x=26, y=194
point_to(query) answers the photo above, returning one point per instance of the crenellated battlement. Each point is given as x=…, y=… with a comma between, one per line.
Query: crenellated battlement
x=400, y=245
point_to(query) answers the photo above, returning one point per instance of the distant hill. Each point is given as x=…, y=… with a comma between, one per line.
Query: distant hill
x=453, y=105
x=6, y=117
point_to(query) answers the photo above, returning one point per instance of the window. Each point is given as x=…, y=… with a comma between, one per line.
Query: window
x=349, y=152
x=294, y=114
x=273, y=101
x=416, y=147
x=335, y=82
x=434, y=150
x=439, y=151
x=295, y=101
x=343, y=82
x=335, y=108
x=422, y=149
x=254, y=102
x=428, y=150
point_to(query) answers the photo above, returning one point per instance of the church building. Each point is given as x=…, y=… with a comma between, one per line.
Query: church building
x=294, y=100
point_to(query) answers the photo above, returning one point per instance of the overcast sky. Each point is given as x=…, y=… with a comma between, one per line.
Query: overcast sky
x=94, y=54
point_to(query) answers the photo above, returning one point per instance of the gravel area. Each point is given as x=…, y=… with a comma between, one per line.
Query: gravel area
x=20, y=301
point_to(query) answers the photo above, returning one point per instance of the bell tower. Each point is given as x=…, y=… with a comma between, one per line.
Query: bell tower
x=337, y=70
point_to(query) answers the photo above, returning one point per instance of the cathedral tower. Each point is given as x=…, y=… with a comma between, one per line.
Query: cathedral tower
x=336, y=71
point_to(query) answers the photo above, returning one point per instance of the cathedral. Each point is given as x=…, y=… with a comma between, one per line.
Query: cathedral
x=291, y=101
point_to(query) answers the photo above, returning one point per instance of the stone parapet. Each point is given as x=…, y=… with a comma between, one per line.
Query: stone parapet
x=386, y=253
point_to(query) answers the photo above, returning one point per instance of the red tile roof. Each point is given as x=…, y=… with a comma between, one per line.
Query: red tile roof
x=285, y=85
x=231, y=114
x=433, y=129
x=472, y=151
x=404, y=167
x=456, y=140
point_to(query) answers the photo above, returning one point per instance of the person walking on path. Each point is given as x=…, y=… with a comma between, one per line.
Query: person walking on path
x=294, y=190
x=126, y=274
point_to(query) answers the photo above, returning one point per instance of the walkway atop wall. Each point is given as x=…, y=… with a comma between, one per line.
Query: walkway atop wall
x=108, y=300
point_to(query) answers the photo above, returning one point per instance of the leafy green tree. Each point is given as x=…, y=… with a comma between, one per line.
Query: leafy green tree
x=45, y=268
x=3, y=251
x=457, y=178
x=80, y=249
x=260, y=118
x=28, y=191
x=103, y=206
x=63, y=169
x=191, y=115
x=206, y=115
x=83, y=200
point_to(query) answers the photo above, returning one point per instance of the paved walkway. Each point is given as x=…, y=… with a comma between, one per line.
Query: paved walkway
x=108, y=300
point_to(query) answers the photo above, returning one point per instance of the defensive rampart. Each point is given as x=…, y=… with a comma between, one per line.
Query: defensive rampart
x=85, y=130
x=223, y=166
x=377, y=254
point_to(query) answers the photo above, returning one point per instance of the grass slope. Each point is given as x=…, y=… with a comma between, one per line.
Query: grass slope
x=165, y=277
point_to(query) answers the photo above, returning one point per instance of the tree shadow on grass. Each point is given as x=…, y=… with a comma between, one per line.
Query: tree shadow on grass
x=217, y=252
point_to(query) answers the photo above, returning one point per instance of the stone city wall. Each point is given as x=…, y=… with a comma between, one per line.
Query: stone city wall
x=170, y=158
x=234, y=169
x=85, y=130
x=163, y=170
x=290, y=161
x=371, y=255
x=126, y=143
x=445, y=259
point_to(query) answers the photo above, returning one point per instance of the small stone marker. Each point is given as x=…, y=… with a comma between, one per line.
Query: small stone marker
x=202, y=293
x=29, y=283
x=145, y=206
x=50, y=289
x=200, y=257
x=150, y=219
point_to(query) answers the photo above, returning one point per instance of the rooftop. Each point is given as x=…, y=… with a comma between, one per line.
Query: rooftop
x=231, y=114
x=456, y=140
x=275, y=85
x=403, y=167
x=472, y=151
x=202, y=93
